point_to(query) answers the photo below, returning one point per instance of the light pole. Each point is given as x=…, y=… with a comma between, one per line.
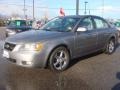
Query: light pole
x=102, y=8
x=77, y=7
x=33, y=10
x=85, y=7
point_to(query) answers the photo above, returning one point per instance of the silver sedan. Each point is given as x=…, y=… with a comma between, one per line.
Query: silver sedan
x=61, y=40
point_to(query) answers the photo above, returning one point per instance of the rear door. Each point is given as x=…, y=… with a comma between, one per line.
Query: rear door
x=103, y=30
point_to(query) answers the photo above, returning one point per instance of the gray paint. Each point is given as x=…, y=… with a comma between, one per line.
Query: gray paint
x=78, y=43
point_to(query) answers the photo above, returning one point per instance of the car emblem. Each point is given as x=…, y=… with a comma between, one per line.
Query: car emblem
x=7, y=46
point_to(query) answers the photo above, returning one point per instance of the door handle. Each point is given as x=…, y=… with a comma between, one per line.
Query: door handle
x=92, y=34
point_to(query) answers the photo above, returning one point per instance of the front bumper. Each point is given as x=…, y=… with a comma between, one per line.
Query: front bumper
x=27, y=58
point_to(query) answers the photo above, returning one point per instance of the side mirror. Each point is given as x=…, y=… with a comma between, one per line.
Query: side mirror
x=81, y=29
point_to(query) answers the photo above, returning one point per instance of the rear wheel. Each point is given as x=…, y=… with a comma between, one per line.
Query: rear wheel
x=59, y=59
x=110, y=47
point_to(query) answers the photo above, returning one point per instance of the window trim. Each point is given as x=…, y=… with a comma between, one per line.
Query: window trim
x=91, y=18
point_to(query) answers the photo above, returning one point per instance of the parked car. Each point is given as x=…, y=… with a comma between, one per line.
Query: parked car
x=38, y=24
x=60, y=41
x=16, y=26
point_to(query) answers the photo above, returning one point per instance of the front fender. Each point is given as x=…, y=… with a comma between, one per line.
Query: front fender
x=51, y=45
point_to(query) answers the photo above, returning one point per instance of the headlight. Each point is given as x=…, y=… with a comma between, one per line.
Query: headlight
x=10, y=31
x=33, y=47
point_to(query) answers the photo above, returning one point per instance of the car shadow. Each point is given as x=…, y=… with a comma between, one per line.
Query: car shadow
x=117, y=86
x=2, y=88
x=75, y=61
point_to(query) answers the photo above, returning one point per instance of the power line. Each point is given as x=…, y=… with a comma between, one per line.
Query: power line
x=71, y=9
x=48, y=7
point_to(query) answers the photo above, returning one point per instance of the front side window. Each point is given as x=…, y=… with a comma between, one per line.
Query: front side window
x=61, y=24
x=87, y=23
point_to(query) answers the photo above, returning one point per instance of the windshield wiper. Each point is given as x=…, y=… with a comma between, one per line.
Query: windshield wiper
x=53, y=29
x=46, y=29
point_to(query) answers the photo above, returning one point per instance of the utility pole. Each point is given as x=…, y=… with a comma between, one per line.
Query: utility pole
x=24, y=9
x=85, y=7
x=77, y=7
x=33, y=10
x=89, y=12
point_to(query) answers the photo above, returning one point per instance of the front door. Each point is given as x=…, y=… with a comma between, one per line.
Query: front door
x=86, y=42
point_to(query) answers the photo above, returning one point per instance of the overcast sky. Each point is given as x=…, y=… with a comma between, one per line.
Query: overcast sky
x=51, y=7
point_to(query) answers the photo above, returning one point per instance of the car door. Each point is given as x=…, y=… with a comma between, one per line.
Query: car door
x=85, y=42
x=103, y=30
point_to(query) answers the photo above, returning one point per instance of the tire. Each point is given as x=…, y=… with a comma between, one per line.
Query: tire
x=110, y=47
x=59, y=59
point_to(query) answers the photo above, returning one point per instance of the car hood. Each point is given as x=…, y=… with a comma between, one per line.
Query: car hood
x=34, y=36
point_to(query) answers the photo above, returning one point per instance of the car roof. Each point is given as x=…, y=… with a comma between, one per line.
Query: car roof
x=80, y=16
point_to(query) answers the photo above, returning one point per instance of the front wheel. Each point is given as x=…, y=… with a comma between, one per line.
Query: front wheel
x=59, y=59
x=110, y=47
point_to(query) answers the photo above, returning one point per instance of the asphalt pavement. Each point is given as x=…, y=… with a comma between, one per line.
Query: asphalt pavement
x=97, y=71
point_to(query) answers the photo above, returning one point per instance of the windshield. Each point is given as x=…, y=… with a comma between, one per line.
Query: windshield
x=61, y=24
x=17, y=23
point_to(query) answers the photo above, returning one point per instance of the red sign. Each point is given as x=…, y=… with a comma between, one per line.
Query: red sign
x=62, y=13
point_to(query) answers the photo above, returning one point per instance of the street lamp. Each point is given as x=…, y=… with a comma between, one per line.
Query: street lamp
x=85, y=7
x=77, y=7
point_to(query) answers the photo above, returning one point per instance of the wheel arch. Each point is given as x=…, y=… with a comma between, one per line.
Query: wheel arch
x=114, y=38
x=60, y=45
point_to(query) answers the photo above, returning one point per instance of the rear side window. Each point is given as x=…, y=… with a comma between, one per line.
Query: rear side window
x=100, y=23
x=117, y=24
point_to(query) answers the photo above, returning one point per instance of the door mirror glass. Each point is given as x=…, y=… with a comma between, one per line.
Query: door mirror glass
x=81, y=29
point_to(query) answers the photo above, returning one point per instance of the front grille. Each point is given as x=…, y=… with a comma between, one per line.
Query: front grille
x=9, y=46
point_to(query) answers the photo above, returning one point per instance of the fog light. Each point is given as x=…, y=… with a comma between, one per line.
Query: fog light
x=26, y=62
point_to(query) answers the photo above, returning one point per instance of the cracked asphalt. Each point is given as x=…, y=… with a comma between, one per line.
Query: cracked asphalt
x=97, y=71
